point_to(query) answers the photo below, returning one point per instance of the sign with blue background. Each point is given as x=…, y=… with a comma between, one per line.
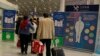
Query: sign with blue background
x=59, y=19
x=9, y=18
x=81, y=26
x=81, y=30
x=8, y=25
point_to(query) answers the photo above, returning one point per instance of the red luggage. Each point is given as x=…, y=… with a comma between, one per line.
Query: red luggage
x=37, y=46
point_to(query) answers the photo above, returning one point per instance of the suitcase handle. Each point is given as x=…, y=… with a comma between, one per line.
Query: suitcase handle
x=55, y=43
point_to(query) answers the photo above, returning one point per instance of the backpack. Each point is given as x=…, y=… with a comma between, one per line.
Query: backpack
x=23, y=24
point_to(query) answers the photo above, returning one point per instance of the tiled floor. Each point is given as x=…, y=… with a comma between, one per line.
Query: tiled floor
x=10, y=49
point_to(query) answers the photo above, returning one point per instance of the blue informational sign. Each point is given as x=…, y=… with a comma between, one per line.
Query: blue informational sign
x=9, y=18
x=59, y=19
x=81, y=30
x=81, y=26
x=8, y=25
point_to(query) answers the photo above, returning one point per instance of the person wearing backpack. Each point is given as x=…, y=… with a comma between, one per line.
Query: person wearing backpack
x=24, y=27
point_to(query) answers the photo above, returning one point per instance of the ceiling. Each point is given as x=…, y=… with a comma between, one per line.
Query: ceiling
x=38, y=6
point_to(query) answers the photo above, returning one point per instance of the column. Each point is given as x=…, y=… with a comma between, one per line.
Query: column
x=62, y=5
x=97, y=2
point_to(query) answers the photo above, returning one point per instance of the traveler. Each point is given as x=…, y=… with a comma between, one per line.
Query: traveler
x=24, y=33
x=45, y=32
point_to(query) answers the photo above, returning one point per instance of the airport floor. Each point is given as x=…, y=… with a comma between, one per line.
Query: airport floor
x=10, y=49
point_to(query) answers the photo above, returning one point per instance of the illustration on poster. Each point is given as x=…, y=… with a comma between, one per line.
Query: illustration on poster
x=79, y=27
x=89, y=17
x=8, y=20
x=59, y=23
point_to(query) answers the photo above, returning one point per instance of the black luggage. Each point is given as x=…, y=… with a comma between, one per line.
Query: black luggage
x=57, y=51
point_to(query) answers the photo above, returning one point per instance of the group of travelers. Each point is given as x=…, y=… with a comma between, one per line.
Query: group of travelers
x=30, y=29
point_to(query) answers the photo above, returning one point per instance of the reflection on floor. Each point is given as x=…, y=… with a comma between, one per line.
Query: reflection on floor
x=10, y=49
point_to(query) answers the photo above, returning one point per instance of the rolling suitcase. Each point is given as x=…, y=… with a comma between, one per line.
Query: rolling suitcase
x=57, y=51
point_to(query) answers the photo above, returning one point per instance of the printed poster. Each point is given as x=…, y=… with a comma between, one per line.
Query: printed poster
x=81, y=26
x=59, y=18
x=8, y=24
x=9, y=18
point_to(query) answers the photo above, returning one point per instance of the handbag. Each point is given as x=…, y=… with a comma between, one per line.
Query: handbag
x=18, y=43
x=37, y=46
